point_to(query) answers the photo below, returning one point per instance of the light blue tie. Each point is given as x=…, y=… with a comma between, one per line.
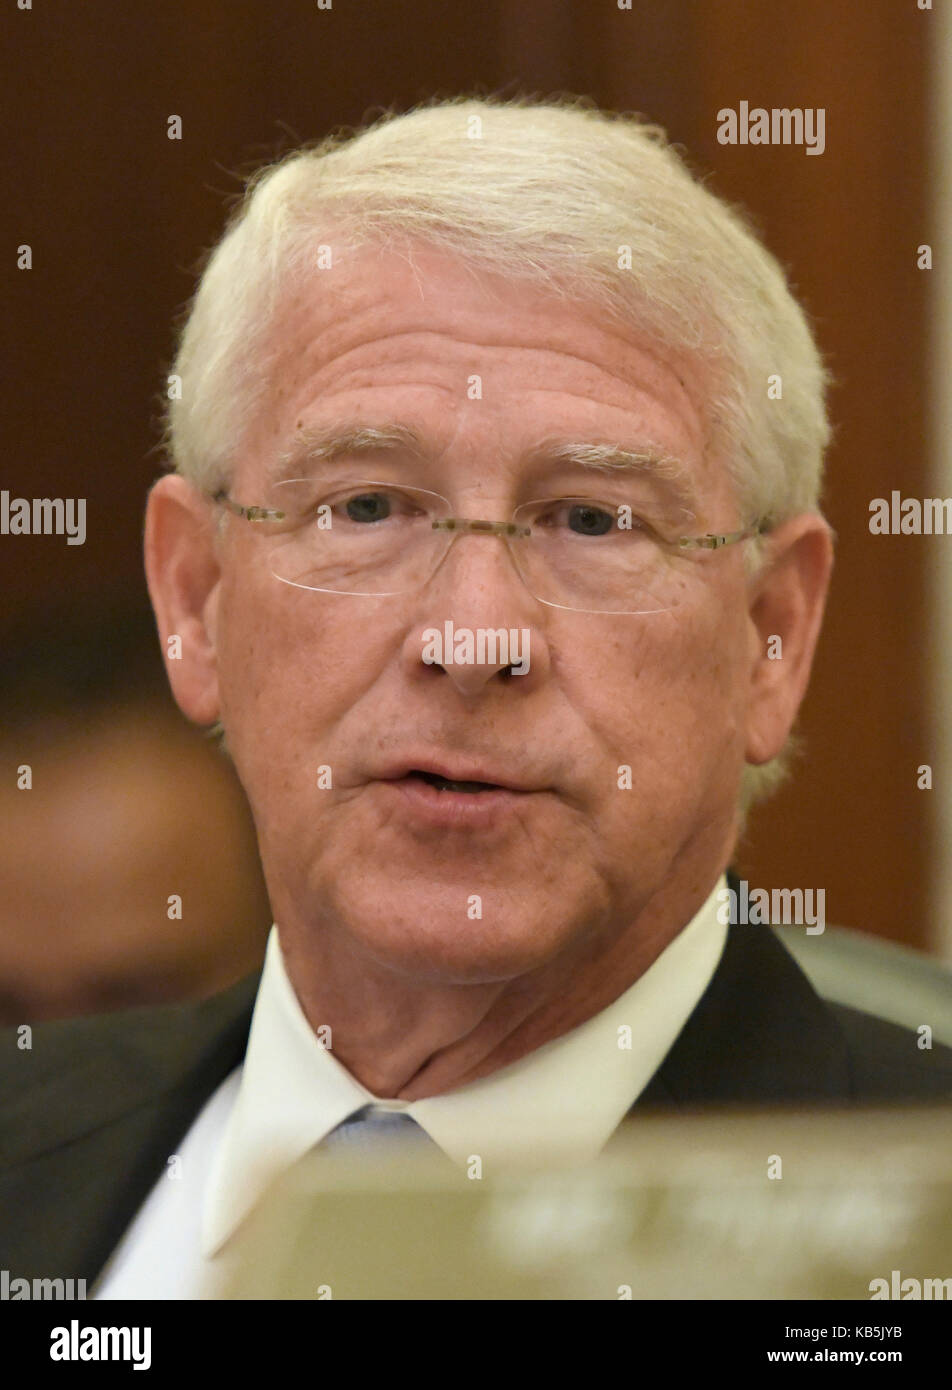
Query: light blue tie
x=378, y=1132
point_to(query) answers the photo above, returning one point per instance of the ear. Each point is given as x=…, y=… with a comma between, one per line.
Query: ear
x=787, y=601
x=183, y=574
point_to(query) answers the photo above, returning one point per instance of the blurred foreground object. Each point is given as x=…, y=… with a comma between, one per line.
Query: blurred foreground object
x=128, y=808
x=676, y=1208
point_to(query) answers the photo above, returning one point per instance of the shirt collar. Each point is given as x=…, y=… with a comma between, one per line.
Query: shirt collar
x=565, y=1099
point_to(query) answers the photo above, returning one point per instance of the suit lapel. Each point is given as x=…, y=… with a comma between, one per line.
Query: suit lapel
x=93, y=1111
x=759, y=1035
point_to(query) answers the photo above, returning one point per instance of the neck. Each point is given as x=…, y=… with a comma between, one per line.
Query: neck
x=410, y=1040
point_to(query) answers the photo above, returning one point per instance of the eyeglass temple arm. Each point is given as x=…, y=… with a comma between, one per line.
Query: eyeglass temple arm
x=248, y=513
x=715, y=542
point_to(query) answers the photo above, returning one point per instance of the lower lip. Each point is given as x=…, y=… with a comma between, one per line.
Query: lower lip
x=428, y=805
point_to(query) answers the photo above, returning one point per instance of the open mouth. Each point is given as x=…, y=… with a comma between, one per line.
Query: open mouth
x=444, y=784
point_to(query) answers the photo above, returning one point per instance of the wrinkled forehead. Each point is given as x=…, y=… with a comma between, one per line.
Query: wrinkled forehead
x=453, y=352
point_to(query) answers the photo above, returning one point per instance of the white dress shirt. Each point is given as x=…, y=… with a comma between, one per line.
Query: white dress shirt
x=565, y=1099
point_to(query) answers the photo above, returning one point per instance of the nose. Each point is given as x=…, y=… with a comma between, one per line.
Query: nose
x=475, y=621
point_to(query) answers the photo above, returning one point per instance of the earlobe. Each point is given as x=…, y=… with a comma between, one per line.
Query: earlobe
x=786, y=612
x=183, y=574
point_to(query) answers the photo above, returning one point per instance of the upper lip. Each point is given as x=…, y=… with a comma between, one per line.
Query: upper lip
x=456, y=772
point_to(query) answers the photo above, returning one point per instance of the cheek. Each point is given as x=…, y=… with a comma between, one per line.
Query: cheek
x=291, y=666
x=703, y=682
x=665, y=695
x=262, y=675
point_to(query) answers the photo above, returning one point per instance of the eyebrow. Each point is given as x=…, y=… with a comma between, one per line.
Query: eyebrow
x=318, y=444
x=646, y=460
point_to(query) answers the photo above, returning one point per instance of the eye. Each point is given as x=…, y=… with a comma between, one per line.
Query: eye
x=576, y=516
x=369, y=506
x=589, y=520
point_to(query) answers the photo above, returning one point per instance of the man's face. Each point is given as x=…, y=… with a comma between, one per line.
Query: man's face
x=307, y=680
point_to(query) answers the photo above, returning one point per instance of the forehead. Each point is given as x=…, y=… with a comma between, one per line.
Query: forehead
x=472, y=362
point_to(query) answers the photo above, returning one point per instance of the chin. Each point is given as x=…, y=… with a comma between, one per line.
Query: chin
x=439, y=944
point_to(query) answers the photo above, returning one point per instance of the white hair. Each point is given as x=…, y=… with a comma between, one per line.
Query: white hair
x=593, y=205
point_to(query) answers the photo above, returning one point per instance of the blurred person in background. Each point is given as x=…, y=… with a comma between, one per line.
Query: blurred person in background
x=129, y=869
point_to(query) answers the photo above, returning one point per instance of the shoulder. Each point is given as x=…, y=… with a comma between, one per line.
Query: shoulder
x=762, y=1034
x=889, y=1062
x=64, y=1078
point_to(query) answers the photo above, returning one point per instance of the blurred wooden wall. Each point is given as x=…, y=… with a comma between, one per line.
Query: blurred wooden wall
x=116, y=215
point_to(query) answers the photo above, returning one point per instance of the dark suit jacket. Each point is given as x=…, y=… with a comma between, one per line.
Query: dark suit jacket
x=89, y=1116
